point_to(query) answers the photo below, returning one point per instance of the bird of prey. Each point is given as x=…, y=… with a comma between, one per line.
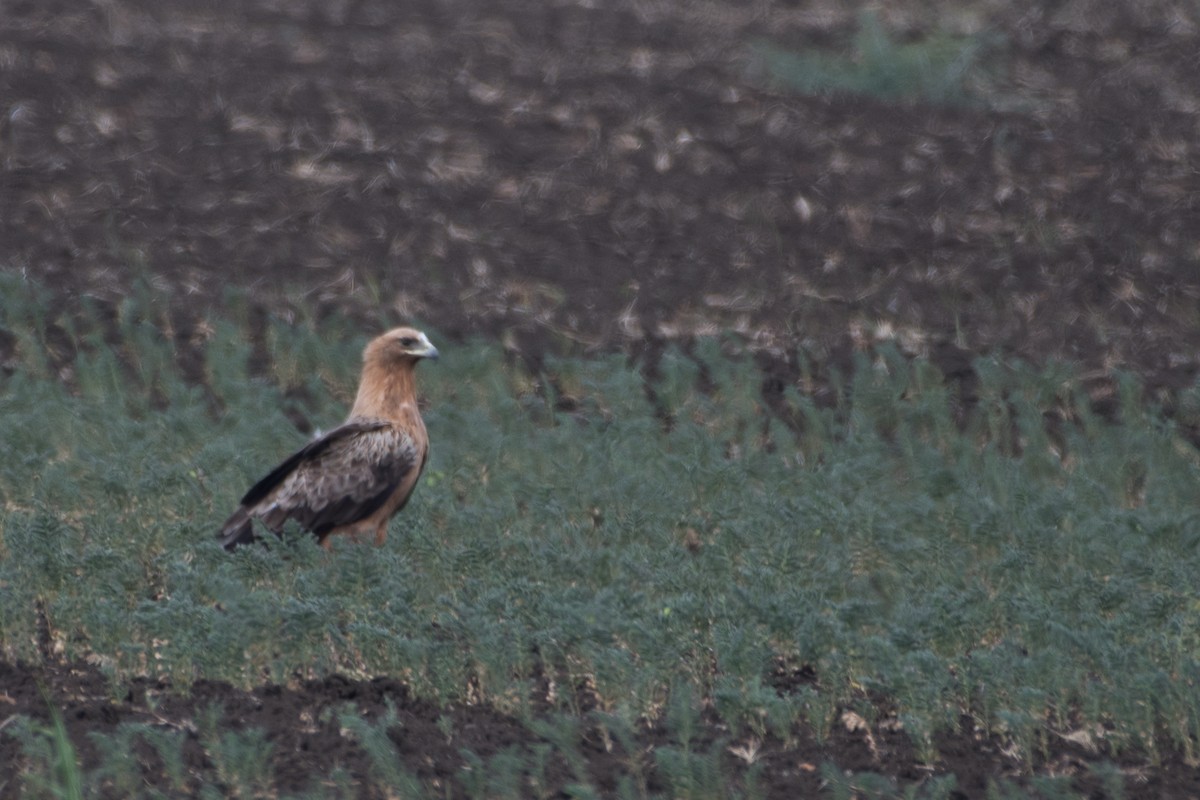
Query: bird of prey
x=354, y=478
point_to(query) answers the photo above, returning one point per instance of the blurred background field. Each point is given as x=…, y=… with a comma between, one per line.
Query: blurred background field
x=819, y=414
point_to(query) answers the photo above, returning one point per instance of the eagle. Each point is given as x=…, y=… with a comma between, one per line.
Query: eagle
x=354, y=478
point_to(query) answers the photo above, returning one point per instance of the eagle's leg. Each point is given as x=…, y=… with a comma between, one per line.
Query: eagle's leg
x=357, y=535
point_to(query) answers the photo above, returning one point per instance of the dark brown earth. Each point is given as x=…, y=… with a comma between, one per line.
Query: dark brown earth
x=581, y=177
x=302, y=724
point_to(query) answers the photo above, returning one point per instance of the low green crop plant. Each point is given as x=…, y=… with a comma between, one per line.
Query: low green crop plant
x=120, y=771
x=500, y=777
x=561, y=731
x=694, y=774
x=168, y=745
x=620, y=734
x=241, y=759
x=387, y=770
x=941, y=68
x=51, y=766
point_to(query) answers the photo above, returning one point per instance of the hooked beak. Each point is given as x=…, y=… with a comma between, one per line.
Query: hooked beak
x=427, y=350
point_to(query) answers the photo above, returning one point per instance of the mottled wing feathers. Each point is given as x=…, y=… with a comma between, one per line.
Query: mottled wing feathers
x=311, y=453
x=338, y=479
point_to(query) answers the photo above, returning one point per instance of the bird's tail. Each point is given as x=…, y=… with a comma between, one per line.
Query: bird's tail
x=238, y=530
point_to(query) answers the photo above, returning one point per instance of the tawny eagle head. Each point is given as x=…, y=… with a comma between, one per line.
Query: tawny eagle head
x=399, y=345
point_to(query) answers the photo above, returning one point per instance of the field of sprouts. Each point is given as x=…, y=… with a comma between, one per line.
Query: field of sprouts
x=687, y=598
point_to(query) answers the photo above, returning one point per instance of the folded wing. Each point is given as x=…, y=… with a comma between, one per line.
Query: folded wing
x=338, y=479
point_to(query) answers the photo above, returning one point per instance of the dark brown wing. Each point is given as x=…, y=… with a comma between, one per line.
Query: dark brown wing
x=340, y=478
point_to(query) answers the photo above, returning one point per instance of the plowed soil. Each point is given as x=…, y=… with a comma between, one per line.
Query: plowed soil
x=301, y=722
x=581, y=177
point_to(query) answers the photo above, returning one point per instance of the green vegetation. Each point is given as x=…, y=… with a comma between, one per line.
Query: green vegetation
x=55, y=769
x=942, y=69
x=894, y=552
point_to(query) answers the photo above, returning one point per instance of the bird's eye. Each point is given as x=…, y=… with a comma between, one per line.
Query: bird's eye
x=408, y=341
